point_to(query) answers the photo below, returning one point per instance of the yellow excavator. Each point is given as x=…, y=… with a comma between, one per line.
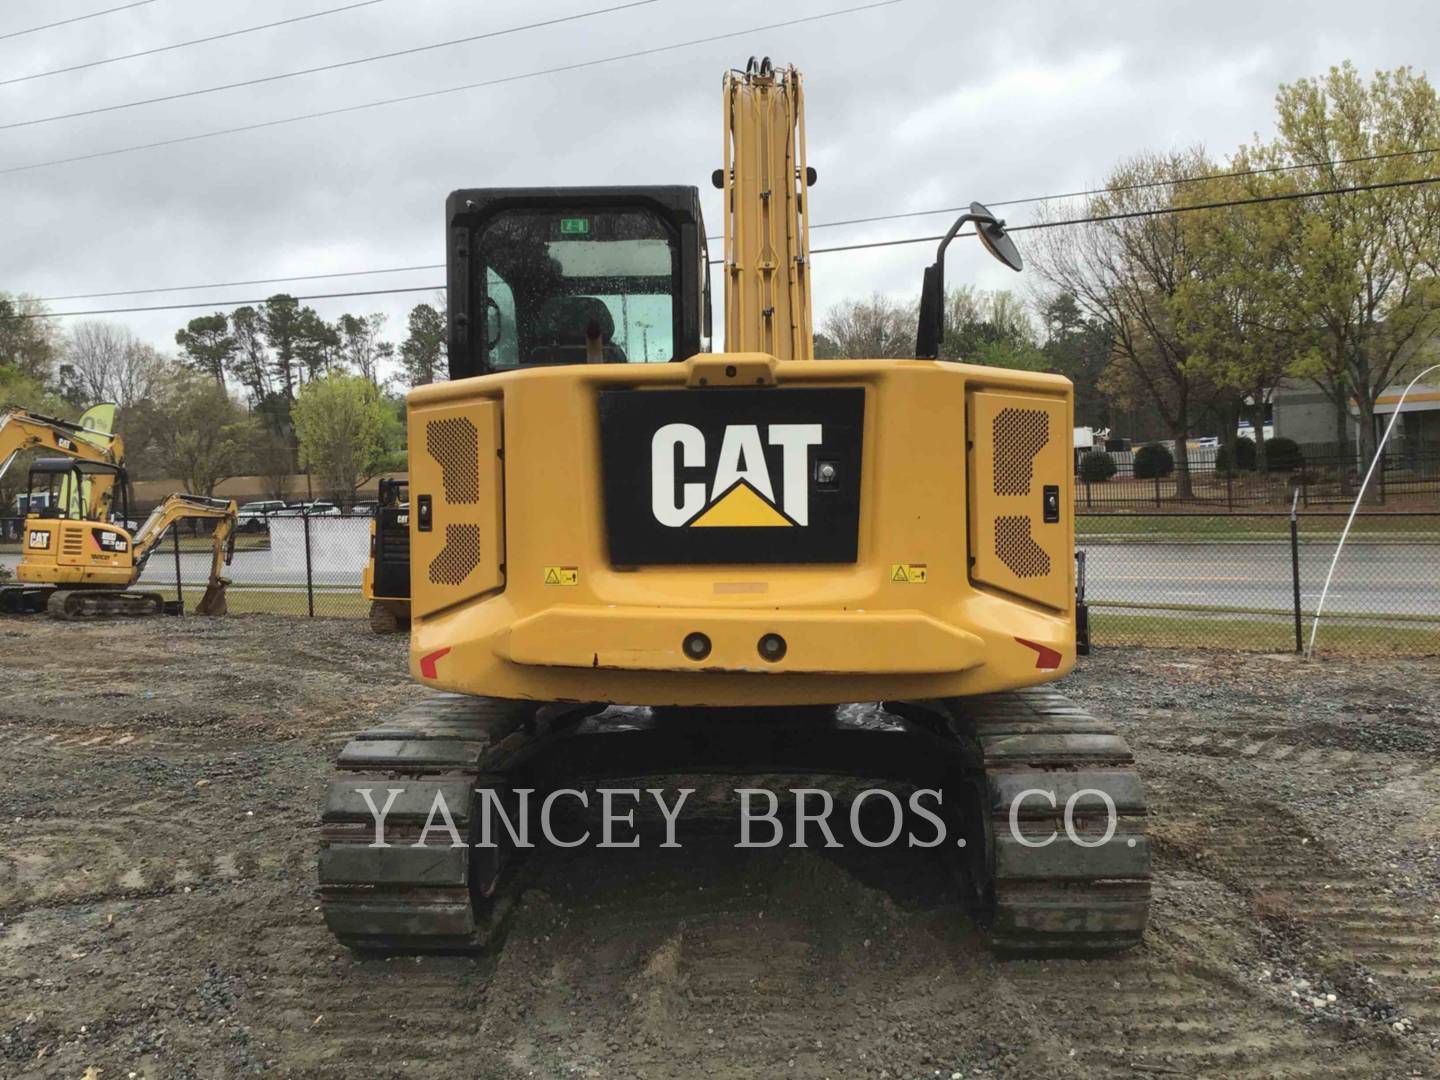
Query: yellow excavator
x=79, y=559
x=629, y=554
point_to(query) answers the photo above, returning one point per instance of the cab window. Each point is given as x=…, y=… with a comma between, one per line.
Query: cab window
x=577, y=287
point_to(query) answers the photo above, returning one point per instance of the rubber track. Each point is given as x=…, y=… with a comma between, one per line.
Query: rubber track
x=1037, y=898
x=103, y=603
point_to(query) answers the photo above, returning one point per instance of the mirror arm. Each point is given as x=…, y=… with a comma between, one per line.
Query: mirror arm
x=930, y=327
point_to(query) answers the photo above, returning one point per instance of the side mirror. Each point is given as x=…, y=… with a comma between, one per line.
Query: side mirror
x=930, y=330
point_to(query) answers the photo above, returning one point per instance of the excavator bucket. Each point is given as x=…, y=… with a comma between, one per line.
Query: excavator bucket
x=213, y=602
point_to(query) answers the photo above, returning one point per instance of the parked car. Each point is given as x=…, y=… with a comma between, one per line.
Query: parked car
x=312, y=509
x=252, y=516
x=365, y=509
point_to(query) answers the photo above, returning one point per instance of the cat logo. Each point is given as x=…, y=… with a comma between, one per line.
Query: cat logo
x=732, y=476
x=741, y=493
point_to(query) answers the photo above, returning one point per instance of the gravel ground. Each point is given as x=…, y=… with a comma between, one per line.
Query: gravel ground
x=157, y=911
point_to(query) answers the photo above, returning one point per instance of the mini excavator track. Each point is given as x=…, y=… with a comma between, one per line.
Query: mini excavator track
x=72, y=604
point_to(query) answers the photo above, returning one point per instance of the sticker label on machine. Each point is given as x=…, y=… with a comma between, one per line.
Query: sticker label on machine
x=706, y=476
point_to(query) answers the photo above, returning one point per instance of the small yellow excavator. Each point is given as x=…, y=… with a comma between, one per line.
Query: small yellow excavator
x=84, y=566
x=632, y=556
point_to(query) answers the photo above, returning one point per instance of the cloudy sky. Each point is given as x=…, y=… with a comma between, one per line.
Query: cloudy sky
x=912, y=106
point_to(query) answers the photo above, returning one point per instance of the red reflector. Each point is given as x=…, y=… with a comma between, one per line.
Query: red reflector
x=427, y=662
x=1046, y=659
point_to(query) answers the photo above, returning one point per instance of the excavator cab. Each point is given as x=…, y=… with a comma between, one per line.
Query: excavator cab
x=599, y=275
x=64, y=546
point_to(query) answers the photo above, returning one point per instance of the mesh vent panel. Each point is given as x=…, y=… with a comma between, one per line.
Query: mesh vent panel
x=459, y=556
x=1019, y=435
x=1015, y=548
x=455, y=444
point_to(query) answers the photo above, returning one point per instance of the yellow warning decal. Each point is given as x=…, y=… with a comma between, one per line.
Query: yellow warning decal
x=741, y=506
x=562, y=575
x=914, y=573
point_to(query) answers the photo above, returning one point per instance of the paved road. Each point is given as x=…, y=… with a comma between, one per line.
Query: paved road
x=1399, y=579
x=247, y=568
x=1388, y=578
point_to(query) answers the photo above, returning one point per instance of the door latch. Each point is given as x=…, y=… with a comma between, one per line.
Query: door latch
x=1051, y=505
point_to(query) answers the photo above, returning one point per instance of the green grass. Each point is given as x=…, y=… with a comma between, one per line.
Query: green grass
x=1337, y=636
x=243, y=542
x=1225, y=528
x=330, y=603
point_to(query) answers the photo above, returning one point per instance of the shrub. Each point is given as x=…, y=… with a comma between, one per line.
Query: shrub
x=1153, y=460
x=1244, y=456
x=1283, y=455
x=1096, y=466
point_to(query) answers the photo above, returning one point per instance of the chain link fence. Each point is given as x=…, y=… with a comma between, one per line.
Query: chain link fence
x=1408, y=479
x=289, y=563
x=1245, y=581
x=1252, y=581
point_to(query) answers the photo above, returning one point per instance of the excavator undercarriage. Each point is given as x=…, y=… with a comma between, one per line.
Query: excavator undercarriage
x=1033, y=892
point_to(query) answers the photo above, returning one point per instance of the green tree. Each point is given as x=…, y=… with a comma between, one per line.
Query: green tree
x=991, y=328
x=251, y=363
x=208, y=345
x=1234, y=309
x=28, y=343
x=280, y=322
x=202, y=434
x=825, y=349
x=25, y=392
x=1364, y=264
x=340, y=422
x=1078, y=347
x=317, y=344
x=422, y=353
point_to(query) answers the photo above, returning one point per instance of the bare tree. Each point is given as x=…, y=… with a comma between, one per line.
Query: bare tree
x=1127, y=275
x=106, y=362
x=879, y=328
x=360, y=344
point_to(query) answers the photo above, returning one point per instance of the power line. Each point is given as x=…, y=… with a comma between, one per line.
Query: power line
x=1156, y=212
x=447, y=90
x=237, y=284
x=214, y=304
x=186, y=44
x=281, y=76
x=822, y=225
x=1256, y=200
x=75, y=19
x=1127, y=187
